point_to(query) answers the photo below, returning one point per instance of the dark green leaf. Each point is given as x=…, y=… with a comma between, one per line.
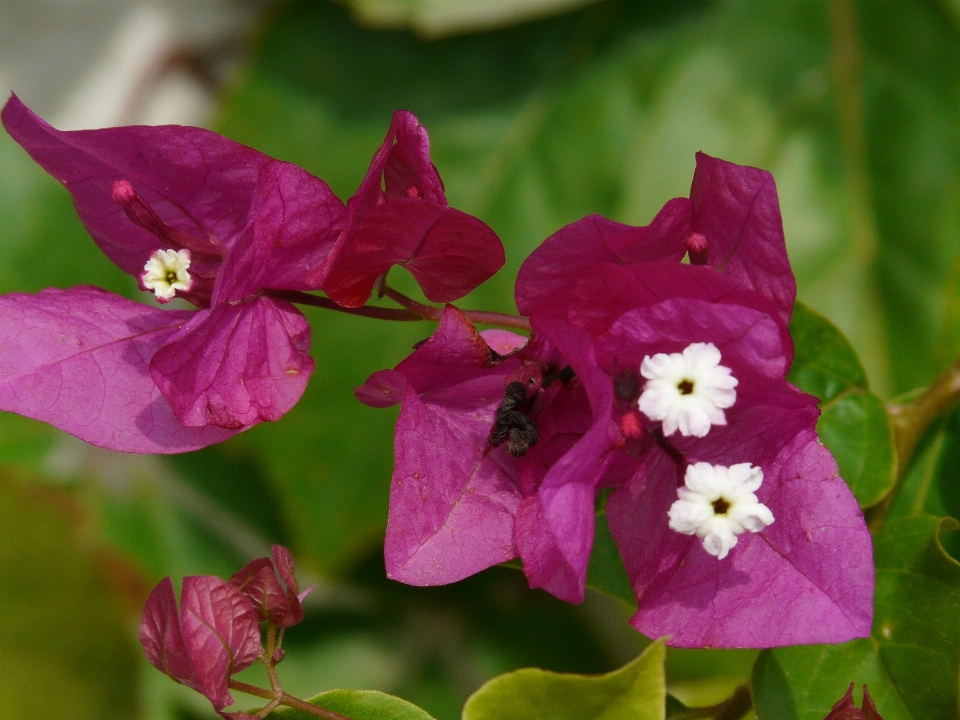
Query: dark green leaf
x=857, y=429
x=910, y=662
x=824, y=363
x=636, y=691
x=605, y=572
x=359, y=705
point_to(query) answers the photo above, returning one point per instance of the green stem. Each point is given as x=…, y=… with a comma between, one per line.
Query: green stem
x=287, y=700
x=910, y=421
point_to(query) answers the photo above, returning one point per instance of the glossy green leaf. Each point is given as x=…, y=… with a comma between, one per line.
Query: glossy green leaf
x=359, y=705
x=910, y=662
x=636, y=691
x=606, y=572
x=857, y=429
x=824, y=362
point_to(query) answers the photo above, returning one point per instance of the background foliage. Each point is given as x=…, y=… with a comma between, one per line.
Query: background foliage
x=599, y=108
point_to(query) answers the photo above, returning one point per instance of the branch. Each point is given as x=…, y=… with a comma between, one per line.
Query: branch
x=431, y=312
x=303, y=298
x=910, y=421
x=287, y=700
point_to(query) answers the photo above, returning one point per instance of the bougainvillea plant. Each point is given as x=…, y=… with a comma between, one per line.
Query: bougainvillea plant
x=646, y=376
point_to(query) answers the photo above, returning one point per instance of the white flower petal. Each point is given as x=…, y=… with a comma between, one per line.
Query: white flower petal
x=708, y=488
x=687, y=391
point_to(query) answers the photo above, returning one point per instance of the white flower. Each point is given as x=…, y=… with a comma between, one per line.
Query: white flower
x=166, y=272
x=718, y=503
x=687, y=390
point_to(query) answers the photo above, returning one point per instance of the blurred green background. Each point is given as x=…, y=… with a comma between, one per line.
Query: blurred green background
x=539, y=113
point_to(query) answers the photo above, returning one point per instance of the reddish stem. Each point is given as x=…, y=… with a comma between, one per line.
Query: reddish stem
x=287, y=700
x=435, y=313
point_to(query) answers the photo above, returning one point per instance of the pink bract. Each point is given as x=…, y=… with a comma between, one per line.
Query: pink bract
x=400, y=216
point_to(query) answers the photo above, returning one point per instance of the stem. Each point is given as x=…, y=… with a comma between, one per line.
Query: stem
x=733, y=708
x=430, y=312
x=287, y=700
x=303, y=298
x=910, y=421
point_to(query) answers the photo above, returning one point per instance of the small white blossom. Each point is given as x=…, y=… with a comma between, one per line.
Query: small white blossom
x=166, y=272
x=687, y=391
x=718, y=503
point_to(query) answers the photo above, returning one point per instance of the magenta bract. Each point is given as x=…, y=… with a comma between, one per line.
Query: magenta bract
x=731, y=223
x=215, y=635
x=400, y=216
x=808, y=577
x=603, y=299
x=251, y=224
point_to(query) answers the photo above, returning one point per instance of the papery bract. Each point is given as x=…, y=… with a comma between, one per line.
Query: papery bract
x=806, y=578
x=730, y=223
x=253, y=224
x=453, y=497
x=215, y=635
x=406, y=221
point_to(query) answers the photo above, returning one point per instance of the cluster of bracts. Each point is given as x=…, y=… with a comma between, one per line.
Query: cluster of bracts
x=654, y=375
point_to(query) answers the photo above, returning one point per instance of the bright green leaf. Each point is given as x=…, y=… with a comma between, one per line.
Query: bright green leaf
x=857, y=429
x=636, y=691
x=824, y=363
x=910, y=661
x=359, y=705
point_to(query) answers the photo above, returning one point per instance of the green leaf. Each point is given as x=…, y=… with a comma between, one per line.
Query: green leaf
x=857, y=429
x=824, y=362
x=854, y=422
x=911, y=659
x=359, y=705
x=929, y=484
x=606, y=572
x=636, y=691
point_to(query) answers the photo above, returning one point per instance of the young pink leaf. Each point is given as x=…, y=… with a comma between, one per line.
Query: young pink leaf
x=221, y=632
x=161, y=636
x=258, y=581
x=235, y=365
x=79, y=360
